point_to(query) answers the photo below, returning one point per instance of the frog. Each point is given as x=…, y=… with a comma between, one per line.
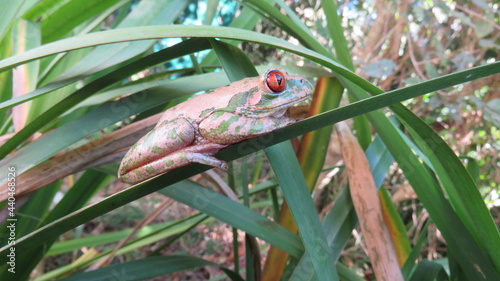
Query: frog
x=196, y=129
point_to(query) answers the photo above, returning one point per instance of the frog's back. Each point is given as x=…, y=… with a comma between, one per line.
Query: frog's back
x=197, y=106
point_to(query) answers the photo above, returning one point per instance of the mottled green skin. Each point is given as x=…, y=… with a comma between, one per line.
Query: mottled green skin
x=195, y=130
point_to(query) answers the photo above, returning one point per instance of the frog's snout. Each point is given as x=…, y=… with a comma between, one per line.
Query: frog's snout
x=306, y=83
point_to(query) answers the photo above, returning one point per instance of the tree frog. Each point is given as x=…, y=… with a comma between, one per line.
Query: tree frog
x=195, y=130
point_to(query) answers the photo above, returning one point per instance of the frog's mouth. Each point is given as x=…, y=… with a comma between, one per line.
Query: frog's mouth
x=279, y=113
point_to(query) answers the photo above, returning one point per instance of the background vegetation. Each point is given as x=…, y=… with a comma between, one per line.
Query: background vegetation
x=82, y=80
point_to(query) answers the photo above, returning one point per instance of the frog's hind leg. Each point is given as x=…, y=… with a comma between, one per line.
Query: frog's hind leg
x=158, y=143
x=201, y=153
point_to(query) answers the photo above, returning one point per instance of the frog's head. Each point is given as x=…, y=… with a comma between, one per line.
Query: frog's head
x=276, y=92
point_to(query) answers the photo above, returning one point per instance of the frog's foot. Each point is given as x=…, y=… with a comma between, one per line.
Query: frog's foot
x=204, y=159
x=202, y=153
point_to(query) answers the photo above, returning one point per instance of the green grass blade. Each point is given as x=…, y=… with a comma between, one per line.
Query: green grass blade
x=151, y=32
x=342, y=219
x=431, y=196
x=6, y=83
x=291, y=26
x=336, y=31
x=168, y=233
x=287, y=169
x=76, y=198
x=9, y=12
x=379, y=159
x=146, y=13
x=56, y=66
x=149, y=268
x=168, y=228
x=153, y=232
x=236, y=215
x=225, y=209
x=428, y=270
x=169, y=31
x=247, y=19
x=62, y=17
x=37, y=206
x=395, y=226
x=34, y=94
x=459, y=185
x=236, y=64
x=409, y=265
x=146, y=236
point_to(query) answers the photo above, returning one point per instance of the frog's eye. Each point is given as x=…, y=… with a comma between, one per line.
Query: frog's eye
x=276, y=81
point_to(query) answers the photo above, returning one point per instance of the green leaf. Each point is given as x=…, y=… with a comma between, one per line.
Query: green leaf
x=208, y=201
x=395, y=226
x=58, y=18
x=149, y=268
x=473, y=168
x=234, y=61
x=168, y=31
x=409, y=265
x=236, y=215
x=287, y=169
x=37, y=205
x=379, y=159
x=9, y=12
x=211, y=11
x=341, y=219
x=146, y=13
x=76, y=198
x=428, y=270
x=166, y=229
x=459, y=185
x=289, y=23
x=336, y=32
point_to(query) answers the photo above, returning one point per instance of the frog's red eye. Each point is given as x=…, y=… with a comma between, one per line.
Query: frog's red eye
x=276, y=81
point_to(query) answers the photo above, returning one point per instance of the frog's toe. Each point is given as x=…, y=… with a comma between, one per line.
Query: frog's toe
x=202, y=158
x=223, y=166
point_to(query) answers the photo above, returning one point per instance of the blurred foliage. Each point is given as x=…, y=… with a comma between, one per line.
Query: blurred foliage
x=393, y=44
